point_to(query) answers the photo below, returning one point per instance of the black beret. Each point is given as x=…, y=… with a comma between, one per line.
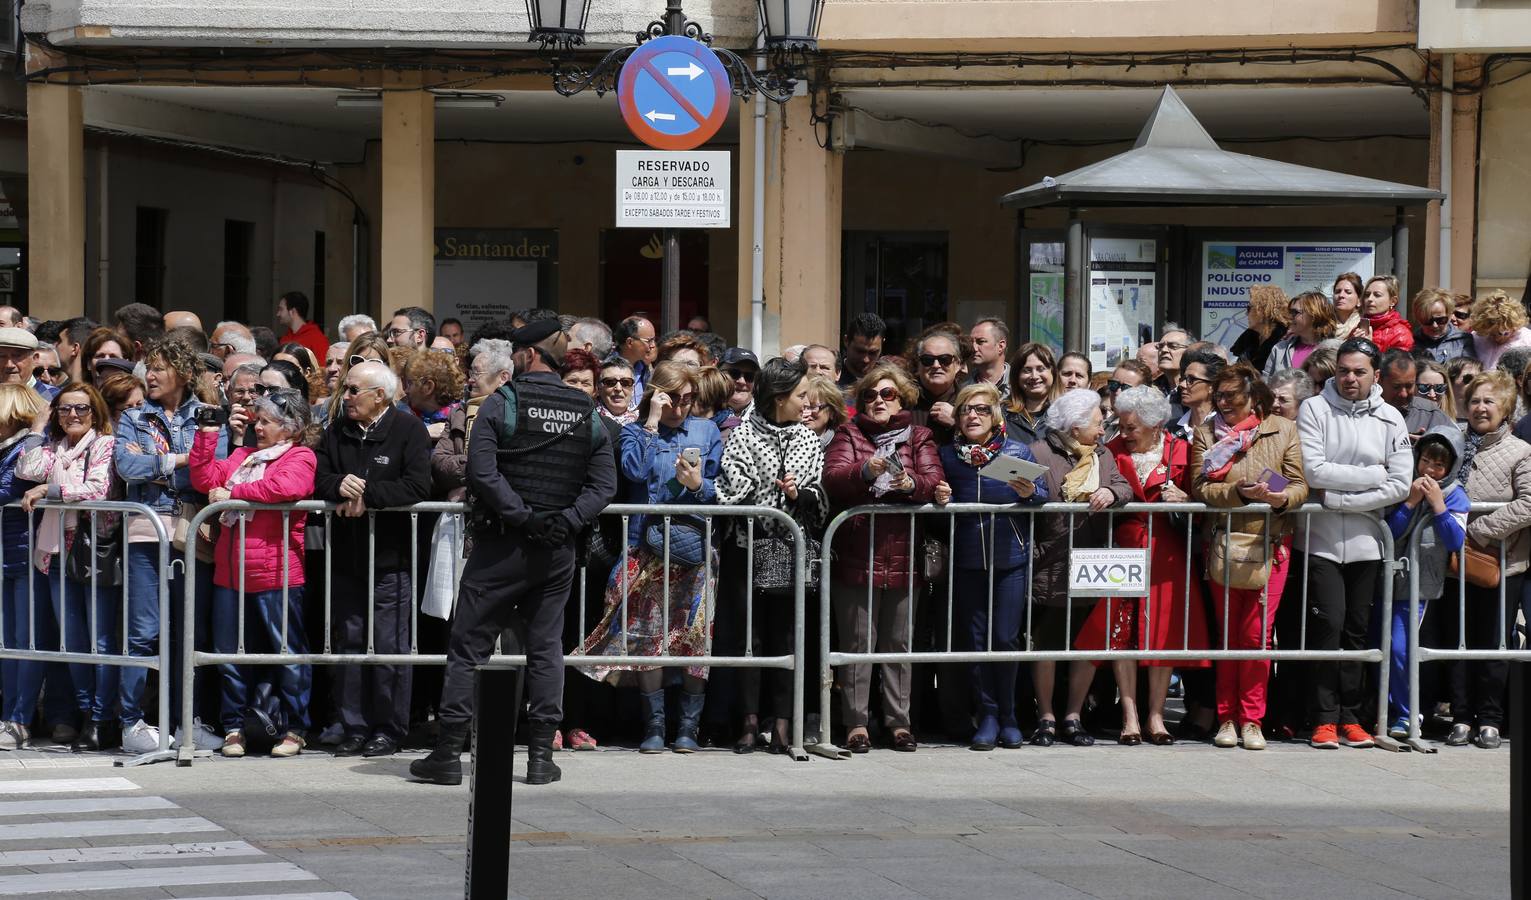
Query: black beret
x=535, y=332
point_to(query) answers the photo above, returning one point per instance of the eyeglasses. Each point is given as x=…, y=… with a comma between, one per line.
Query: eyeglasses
x=1172, y=345
x=1192, y=379
x=647, y=340
x=397, y=333
x=613, y=382
x=1462, y=315
x=1227, y=396
x=976, y=409
x=812, y=408
x=1431, y=390
x=871, y=395
x=744, y=375
x=1438, y=321
x=213, y=348
x=1113, y=386
x=685, y=399
x=80, y=410
x=943, y=360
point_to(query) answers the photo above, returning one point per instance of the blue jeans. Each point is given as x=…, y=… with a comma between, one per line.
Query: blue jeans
x=993, y=683
x=21, y=680
x=95, y=687
x=144, y=575
x=263, y=634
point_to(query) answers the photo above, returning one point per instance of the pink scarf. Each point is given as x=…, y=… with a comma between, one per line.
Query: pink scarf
x=1232, y=442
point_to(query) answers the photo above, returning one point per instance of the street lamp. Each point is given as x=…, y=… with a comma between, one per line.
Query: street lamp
x=791, y=32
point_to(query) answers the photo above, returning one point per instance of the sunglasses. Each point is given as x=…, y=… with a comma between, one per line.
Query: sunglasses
x=1462, y=315
x=944, y=360
x=74, y=409
x=262, y=389
x=351, y=390
x=1438, y=321
x=1192, y=379
x=870, y=396
x=358, y=360
x=1113, y=386
x=54, y=371
x=685, y=399
x=1466, y=378
x=1431, y=390
x=613, y=382
x=976, y=409
x=744, y=375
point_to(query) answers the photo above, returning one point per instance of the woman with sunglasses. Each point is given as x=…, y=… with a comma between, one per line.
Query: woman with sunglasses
x=1311, y=320
x=77, y=466
x=1433, y=384
x=1434, y=332
x=260, y=555
x=614, y=391
x=881, y=457
x=641, y=619
x=989, y=564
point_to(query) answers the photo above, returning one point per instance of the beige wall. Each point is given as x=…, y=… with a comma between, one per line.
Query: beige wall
x=1504, y=185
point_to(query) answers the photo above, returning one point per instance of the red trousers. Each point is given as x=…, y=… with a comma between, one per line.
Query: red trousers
x=1241, y=683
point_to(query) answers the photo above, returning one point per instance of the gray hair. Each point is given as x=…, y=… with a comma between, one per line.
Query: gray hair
x=792, y=353
x=1296, y=379
x=349, y=322
x=238, y=337
x=379, y=375
x=340, y=346
x=249, y=368
x=954, y=339
x=1072, y=410
x=616, y=362
x=1146, y=402
x=288, y=408
x=593, y=332
x=498, y=355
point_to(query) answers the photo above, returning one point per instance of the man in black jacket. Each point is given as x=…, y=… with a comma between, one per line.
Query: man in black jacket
x=373, y=457
x=538, y=477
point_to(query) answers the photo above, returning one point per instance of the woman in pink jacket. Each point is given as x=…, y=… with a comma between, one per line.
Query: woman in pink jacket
x=266, y=548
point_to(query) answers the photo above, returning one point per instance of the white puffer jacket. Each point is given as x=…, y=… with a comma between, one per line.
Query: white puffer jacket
x=1358, y=461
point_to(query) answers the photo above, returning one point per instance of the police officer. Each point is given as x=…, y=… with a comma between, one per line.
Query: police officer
x=537, y=475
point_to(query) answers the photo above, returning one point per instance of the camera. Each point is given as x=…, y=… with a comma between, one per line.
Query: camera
x=212, y=417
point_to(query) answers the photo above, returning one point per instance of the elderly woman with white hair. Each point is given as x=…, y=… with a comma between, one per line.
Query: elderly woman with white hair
x=1156, y=465
x=1079, y=470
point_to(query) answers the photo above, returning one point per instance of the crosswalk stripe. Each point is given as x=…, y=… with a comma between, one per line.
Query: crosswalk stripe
x=165, y=876
x=326, y=895
x=88, y=805
x=103, y=828
x=136, y=853
x=65, y=786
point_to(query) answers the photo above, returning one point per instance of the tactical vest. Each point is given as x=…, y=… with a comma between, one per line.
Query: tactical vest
x=546, y=441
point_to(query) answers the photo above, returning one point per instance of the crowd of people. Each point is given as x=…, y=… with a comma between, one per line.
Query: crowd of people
x=1392, y=423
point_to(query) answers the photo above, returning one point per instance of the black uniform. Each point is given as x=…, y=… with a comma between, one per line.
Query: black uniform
x=552, y=475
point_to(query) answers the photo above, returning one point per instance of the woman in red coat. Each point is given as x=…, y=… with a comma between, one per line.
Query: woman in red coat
x=1157, y=466
x=1389, y=329
x=880, y=457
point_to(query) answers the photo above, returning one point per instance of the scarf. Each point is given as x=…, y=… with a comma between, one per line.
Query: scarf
x=251, y=468
x=69, y=465
x=1145, y=464
x=1474, y=444
x=980, y=455
x=626, y=418
x=1349, y=325
x=887, y=438
x=1084, y=479
x=1233, y=441
x=441, y=415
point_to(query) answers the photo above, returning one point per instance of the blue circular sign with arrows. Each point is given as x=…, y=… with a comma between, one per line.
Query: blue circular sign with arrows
x=673, y=93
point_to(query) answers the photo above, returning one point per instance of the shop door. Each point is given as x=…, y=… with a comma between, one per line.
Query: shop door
x=901, y=276
x=632, y=261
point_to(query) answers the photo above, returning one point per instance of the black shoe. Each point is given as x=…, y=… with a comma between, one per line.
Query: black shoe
x=444, y=765
x=1073, y=732
x=380, y=745
x=540, y=768
x=88, y=740
x=351, y=746
x=1046, y=733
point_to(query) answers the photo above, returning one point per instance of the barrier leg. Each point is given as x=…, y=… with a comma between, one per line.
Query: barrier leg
x=1385, y=666
x=488, y=865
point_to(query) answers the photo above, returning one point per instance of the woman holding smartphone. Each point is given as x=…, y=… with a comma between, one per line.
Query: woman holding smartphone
x=1247, y=454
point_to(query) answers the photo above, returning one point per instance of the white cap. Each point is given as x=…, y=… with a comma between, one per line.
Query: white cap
x=18, y=338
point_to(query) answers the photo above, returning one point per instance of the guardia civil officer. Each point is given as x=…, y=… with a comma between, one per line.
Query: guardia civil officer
x=537, y=476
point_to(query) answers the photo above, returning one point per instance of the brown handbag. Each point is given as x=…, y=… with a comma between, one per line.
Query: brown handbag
x=1482, y=568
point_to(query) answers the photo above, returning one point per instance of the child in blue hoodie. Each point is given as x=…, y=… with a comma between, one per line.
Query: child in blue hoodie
x=1437, y=508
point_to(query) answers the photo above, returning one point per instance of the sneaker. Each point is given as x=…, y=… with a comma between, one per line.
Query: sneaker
x=1399, y=730
x=141, y=737
x=580, y=739
x=203, y=738
x=13, y=736
x=1253, y=737
x=1325, y=738
x=233, y=745
x=1356, y=736
x=1227, y=736
x=292, y=744
x=557, y=739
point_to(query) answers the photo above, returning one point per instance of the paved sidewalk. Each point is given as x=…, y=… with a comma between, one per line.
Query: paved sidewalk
x=1107, y=821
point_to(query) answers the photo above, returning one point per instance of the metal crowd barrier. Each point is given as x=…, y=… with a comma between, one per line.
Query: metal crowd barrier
x=91, y=525
x=830, y=658
x=194, y=657
x=1419, y=654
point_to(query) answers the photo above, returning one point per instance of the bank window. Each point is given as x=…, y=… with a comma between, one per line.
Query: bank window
x=237, y=239
x=316, y=313
x=149, y=256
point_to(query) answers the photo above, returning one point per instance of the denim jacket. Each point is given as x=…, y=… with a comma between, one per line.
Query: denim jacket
x=647, y=464
x=152, y=478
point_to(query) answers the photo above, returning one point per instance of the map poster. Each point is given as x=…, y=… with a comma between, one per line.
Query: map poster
x=1230, y=269
x=1047, y=310
x=1122, y=297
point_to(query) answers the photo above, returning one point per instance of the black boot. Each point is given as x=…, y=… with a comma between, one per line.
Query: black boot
x=540, y=768
x=444, y=765
x=88, y=740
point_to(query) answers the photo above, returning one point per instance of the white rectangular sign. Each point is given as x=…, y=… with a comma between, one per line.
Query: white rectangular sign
x=1114, y=572
x=674, y=189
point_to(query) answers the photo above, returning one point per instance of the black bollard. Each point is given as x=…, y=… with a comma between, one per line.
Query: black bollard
x=494, y=726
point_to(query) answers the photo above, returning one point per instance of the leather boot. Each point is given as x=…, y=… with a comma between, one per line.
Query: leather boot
x=653, y=732
x=690, y=717
x=540, y=768
x=444, y=765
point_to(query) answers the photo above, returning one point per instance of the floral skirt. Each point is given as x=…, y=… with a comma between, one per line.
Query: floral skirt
x=645, y=631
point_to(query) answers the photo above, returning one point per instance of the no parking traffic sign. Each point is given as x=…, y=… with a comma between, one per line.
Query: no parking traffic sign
x=674, y=93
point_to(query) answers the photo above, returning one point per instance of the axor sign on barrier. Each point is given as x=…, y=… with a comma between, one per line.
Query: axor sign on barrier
x=673, y=93
x=673, y=189
x=1114, y=572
